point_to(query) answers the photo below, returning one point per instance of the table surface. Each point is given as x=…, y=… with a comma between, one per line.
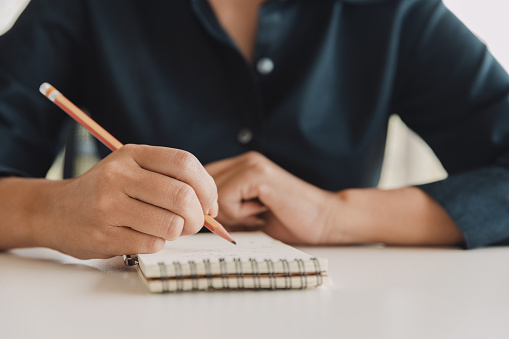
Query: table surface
x=382, y=292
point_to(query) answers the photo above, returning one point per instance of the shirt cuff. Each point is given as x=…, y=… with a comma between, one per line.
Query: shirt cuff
x=478, y=202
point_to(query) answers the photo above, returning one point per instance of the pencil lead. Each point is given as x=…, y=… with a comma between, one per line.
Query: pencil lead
x=234, y=242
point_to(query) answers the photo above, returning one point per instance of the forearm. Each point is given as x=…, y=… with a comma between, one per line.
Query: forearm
x=405, y=216
x=24, y=207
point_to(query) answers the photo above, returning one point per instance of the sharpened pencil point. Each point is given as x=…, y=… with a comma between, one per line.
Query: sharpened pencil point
x=234, y=242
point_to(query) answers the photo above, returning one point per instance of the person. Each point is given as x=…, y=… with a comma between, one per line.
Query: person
x=285, y=102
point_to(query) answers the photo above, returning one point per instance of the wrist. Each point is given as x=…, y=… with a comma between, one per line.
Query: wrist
x=35, y=206
x=49, y=207
x=405, y=216
x=347, y=221
x=27, y=211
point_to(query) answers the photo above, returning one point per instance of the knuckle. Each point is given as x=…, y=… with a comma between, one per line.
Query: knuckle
x=184, y=196
x=253, y=157
x=129, y=148
x=257, y=162
x=154, y=244
x=171, y=226
x=113, y=165
x=126, y=156
x=112, y=171
x=186, y=161
x=262, y=168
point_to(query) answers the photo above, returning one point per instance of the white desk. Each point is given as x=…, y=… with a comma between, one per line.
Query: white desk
x=376, y=293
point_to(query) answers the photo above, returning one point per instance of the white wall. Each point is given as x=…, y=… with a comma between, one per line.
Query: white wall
x=489, y=20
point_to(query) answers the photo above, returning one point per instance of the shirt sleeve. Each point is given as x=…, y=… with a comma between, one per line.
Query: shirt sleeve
x=452, y=92
x=41, y=47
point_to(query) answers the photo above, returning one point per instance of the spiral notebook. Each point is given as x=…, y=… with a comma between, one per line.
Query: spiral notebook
x=207, y=262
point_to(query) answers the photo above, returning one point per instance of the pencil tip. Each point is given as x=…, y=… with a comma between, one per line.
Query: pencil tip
x=234, y=242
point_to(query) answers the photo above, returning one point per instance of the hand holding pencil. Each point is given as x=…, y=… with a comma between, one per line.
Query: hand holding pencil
x=134, y=199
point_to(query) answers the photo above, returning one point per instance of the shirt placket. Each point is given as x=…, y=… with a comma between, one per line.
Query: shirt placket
x=265, y=58
x=243, y=77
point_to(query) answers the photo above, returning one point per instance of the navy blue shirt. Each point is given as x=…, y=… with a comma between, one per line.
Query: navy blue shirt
x=326, y=77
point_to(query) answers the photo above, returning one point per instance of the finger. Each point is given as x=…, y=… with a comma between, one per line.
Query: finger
x=235, y=205
x=167, y=193
x=177, y=164
x=217, y=167
x=214, y=210
x=252, y=222
x=249, y=216
x=248, y=159
x=151, y=220
x=237, y=183
x=245, y=172
x=129, y=241
x=243, y=209
x=238, y=193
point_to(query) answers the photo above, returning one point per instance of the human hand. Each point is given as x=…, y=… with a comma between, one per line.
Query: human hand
x=130, y=202
x=254, y=192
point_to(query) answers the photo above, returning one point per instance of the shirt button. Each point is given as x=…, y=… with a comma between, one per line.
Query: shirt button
x=265, y=66
x=245, y=136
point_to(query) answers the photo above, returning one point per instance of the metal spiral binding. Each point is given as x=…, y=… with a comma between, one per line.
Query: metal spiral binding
x=194, y=274
x=223, y=270
x=271, y=272
x=303, y=274
x=164, y=277
x=208, y=273
x=287, y=274
x=257, y=284
x=130, y=260
x=239, y=272
x=179, y=277
x=318, y=270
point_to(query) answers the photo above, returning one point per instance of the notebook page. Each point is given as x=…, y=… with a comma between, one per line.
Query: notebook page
x=199, y=247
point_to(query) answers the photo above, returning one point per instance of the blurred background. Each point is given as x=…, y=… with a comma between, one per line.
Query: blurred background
x=408, y=159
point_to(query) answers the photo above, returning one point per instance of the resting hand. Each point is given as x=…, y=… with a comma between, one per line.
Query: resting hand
x=255, y=192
